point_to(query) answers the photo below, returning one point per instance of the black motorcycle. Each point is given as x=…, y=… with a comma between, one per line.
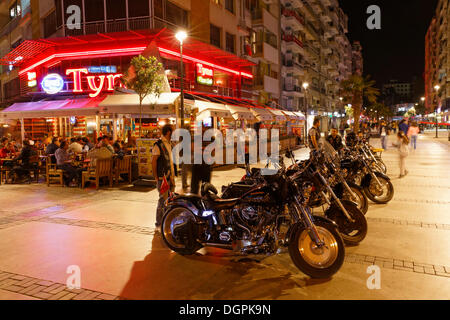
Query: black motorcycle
x=267, y=216
x=358, y=169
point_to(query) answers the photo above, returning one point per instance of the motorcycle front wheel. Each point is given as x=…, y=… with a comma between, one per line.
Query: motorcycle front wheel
x=177, y=231
x=361, y=200
x=351, y=232
x=317, y=262
x=377, y=194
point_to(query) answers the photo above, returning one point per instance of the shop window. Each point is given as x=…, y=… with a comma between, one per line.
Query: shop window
x=138, y=8
x=116, y=9
x=94, y=10
x=215, y=36
x=229, y=5
x=230, y=43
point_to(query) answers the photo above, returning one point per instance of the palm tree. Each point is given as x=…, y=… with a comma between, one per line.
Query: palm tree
x=354, y=90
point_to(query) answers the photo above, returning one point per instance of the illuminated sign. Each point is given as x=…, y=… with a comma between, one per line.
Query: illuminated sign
x=52, y=83
x=102, y=69
x=96, y=83
x=31, y=76
x=205, y=75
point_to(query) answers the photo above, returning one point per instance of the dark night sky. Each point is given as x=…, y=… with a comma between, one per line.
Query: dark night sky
x=397, y=50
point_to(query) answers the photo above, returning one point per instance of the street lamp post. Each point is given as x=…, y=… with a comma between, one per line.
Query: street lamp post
x=436, y=87
x=181, y=36
x=305, y=86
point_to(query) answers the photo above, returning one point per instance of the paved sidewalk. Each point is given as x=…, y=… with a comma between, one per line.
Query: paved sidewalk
x=109, y=235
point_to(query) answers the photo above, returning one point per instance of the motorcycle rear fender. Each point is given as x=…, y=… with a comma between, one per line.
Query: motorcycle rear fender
x=189, y=205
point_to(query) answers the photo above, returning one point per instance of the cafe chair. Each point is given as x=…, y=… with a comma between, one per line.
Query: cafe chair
x=122, y=166
x=103, y=169
x=52, y=172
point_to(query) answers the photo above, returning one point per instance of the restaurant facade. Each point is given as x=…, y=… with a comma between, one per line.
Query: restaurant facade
x=71, y=86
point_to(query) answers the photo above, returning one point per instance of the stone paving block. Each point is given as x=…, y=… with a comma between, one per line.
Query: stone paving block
x=68, y=296
x=443, y=274
x=408, y=264
x=4, y=276
x=45, y=283
x=398, y=263
x=82, y=295
x=18, y=277
x=8, y=282
x=27, y=282
x=92, y=295
x=42, y=295
x=447, y=269
x=13, y=288
x=35, y=290
x=58, y=295
x=76, y=291
x=439, y=268
x=28, y=289
x=370, y=259
x=429, y=271
x=418, y=269
x=425, y=265
x=105, y=296
x=53, y=287
x=402, y=268
x=389, y=265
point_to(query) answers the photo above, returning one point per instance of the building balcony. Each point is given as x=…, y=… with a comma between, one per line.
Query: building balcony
x=294, y=68
x=290, y=18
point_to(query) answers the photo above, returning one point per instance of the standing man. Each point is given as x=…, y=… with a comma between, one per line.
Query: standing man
x=335, y=140
x=384, y=132
x=314, y=135
x=403, y=126
x=162, y=166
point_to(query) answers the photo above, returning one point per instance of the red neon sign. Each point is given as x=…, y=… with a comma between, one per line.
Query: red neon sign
x=96, y=83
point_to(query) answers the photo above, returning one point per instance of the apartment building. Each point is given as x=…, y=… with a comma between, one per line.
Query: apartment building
x=315, y=50
x=402, y=90
x=437, y=60
x=224, y=26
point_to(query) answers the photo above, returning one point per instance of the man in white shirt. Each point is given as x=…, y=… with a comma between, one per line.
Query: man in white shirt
x=75, y=146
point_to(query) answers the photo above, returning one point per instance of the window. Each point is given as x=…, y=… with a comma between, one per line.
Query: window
x=176, y=15
x=138, y=8
x=94, y=10
x=15, y=10
x=215, y=35
x=116, y=9
x=229, y=5
x=230, y=43
x=50, y=24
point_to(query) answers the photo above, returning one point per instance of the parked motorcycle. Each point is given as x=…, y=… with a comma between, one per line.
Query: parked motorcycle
x=268, y=215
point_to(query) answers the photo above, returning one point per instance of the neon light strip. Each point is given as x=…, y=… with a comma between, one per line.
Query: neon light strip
x=131, y=50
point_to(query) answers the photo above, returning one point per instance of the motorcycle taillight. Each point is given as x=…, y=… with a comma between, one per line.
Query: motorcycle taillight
x=243, y=178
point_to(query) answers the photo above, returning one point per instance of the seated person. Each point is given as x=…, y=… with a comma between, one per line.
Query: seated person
x=51, y=149
x=63, y=162
x=88, y=146
x=75, y=145
x=118, y=150
x=25, y=155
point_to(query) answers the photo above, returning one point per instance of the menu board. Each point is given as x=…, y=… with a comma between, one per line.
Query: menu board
x=144, y=149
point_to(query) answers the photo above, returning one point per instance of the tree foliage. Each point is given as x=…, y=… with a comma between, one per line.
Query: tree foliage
x=145, y=76
x=354, y=90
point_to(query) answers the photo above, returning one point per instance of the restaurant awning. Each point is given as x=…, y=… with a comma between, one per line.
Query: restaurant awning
x=53, y=108
x=301, y=115
x=241, y=113
x=278, y=114
x=262, y=114
x=294, y=115
x=211, y=109
x=162, y=106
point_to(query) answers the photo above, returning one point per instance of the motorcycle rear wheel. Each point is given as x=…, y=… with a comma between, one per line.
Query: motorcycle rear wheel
x=173, y=218
x=319, y=263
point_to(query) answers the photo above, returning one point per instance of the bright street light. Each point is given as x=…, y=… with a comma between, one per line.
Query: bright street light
x=305, y=85
x=181, y=36
x=423, y=98
x=437, y=87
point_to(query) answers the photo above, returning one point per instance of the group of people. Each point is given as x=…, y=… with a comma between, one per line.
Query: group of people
x=407, y=133
x=62, y=152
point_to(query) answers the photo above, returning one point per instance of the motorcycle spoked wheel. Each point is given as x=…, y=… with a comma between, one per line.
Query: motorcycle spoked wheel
x=362, y=202
x=351, y=232
x=175, y=219
x=319, y=263
x=380, y=195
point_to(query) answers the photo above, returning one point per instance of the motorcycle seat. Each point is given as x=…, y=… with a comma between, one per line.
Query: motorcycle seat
x=222, y=204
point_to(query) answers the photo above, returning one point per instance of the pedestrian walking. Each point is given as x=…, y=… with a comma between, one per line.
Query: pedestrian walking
x=413, y=132
x=163, y=169
x=384, y=133
x=403, y=152
x=403, y=126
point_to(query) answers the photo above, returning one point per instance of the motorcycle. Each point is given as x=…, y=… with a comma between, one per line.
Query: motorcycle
x=269, y=215
x=376, y=185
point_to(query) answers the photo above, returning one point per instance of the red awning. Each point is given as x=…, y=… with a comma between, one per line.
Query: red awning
x=54, y=108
